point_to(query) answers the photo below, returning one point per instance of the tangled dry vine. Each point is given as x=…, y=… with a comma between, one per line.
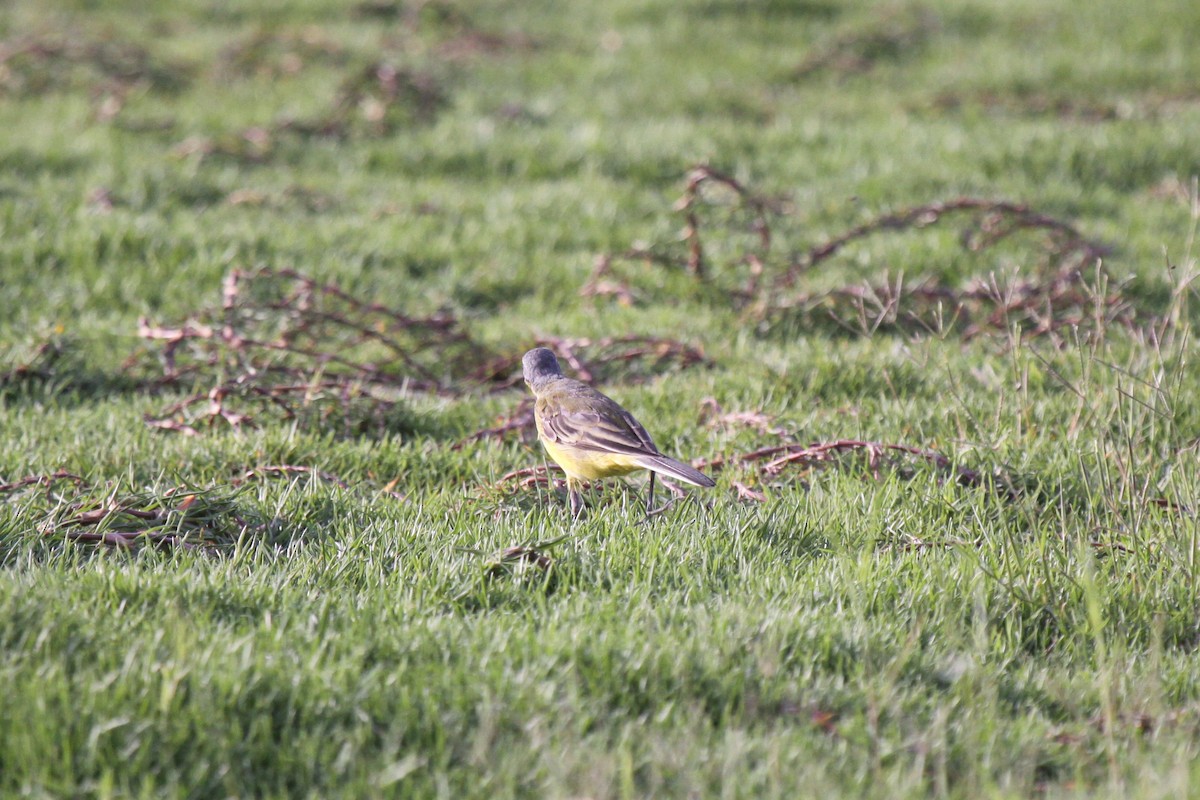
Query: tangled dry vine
x=284, y=345
x=1064, y=286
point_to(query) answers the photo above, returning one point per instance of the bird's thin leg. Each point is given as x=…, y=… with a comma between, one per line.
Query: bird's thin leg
x=576, y=498
x=651, y=511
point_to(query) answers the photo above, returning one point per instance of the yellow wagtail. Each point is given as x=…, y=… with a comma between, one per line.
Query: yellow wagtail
x=589, y=435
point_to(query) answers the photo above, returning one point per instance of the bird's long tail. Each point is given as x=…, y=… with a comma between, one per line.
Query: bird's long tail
x=675, y=469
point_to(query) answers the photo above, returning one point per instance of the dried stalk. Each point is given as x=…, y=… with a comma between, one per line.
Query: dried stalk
x=284, y=344
x=43, y=480
x=1041, y=302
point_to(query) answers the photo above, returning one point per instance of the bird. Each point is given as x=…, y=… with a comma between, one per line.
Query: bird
x=590, y=435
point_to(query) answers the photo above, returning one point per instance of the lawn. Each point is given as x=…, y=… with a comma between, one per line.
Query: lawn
x=915, y=282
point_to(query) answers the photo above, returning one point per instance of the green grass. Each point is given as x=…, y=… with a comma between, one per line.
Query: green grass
x=861, y=633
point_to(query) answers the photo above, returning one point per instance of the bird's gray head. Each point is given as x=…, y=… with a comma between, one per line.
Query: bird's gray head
x=540, y=365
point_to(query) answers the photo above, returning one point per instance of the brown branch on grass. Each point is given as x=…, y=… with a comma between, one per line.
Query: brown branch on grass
x=613, y=356
x=604, y=281
x=744, y=492
x=994, y=220
x=180, y=516
x=43, y=480
x=519, y=420
x=1053, y=296
x=677, y=491
x=540, y=475
x=720, y=462
x=688, y=204
x=601, y=284
x=1038, y=305
x=284, y=344
x=1170, y=505
x=358, y=321
x=213, y=407
x=713, y=415
x=695, y=198
x=771, y=461
x=519, y=556
x=391, y=92
x=1105, y=547
x=98, y=515
x=825, y=452
x=172, y=425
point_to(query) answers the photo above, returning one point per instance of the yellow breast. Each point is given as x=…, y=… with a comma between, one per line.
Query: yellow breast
x=589, y=465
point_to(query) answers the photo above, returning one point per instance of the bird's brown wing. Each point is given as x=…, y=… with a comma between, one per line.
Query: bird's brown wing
x=593, y=422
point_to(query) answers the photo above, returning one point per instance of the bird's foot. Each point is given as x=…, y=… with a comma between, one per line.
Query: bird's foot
x=654, y=512
x=576, y=500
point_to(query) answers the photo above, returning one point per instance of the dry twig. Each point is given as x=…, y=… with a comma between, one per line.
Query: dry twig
x=993, y=220
x=526, y=477
x=1053, y=295
x=771, y=461
x=181, y=516
x=713, y=415
x=519, y=421
x=282, y=343
x=43, y=480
